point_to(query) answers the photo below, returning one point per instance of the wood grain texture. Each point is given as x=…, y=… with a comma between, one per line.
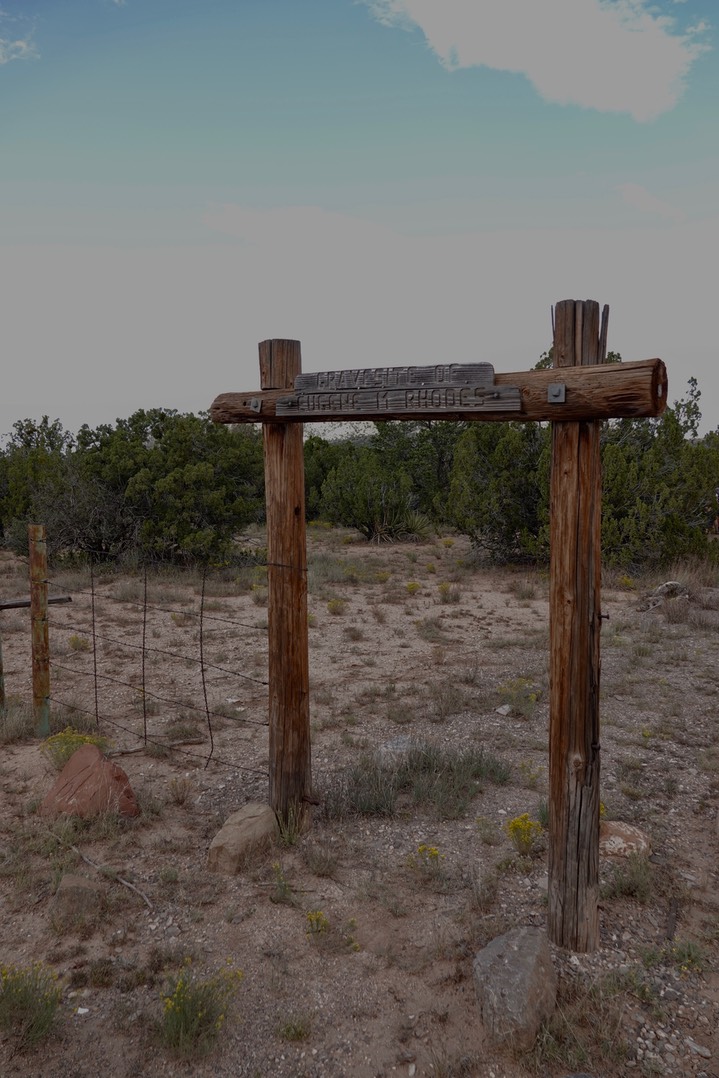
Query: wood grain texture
x=618, y=390
x=289, y=713
x=575, y=621
x=40, y=637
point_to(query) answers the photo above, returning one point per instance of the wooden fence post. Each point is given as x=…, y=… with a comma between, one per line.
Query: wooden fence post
x=289, y=710
x=2, y=682
x=575, y=622
x=38, y=620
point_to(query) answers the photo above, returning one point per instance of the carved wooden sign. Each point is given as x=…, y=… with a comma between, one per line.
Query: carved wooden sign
x=461, y=391
x=449, y=387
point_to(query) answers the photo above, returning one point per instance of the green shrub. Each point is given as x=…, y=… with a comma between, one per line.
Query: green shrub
x=448, y=593
x=194, y=1010
x=317, y=923
x=444, y=779
x=79, y=643
x=521, y=696
x=29, y=998
x=524, y=833
x=17, y=722
x=336, y=607
x=60, y=747
x=297, y=1027
x=633, y=880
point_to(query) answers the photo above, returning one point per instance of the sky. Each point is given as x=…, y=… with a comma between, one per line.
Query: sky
x=388, y=181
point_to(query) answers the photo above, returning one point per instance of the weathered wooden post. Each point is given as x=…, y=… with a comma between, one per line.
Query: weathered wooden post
x=575, y=622
x=17, y=604
x=38, y=619
x=2, y=682
x=289, y=705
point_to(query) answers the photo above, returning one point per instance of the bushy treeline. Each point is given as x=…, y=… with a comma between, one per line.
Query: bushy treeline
x=490, y=481
x=159, y=486
x=163, y=486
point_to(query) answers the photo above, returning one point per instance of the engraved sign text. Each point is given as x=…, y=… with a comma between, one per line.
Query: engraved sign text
x=444, y=387
x=475, y=374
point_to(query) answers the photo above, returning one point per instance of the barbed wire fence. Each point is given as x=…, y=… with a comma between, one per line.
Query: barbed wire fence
x=92, y=641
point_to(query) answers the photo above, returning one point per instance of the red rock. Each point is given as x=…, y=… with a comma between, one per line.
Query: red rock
x=88, y=785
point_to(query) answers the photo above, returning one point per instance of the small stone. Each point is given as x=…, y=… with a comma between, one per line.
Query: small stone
x=698, y=1049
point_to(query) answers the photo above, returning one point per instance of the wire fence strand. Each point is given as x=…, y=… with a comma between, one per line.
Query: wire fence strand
x=152, y=695
x=132, y=677
x=167, y=654
x=161, y=744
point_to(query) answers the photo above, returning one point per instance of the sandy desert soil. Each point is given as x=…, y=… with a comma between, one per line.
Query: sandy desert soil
x=406, y=641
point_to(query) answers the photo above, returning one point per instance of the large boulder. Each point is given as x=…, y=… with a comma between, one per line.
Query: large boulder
x=516, y=987
x=88, y=785
x=251, y=826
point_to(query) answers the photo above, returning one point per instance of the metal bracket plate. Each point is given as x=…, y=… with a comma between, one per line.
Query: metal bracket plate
x=556, y=393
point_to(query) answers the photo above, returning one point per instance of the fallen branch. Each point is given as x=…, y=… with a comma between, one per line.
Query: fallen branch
x=103, y=869
x=125, y=883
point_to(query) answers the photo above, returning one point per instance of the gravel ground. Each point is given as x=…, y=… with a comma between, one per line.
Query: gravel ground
x=387, y=988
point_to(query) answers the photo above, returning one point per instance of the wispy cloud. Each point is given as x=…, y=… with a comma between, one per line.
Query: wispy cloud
x=20, y=49
x=15, y=45
x=609, y=55
x=641, y=199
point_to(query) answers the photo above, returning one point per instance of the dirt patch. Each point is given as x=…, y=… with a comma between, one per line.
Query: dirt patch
x=407, y=642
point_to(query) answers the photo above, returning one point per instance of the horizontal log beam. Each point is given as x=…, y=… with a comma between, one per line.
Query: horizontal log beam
x=18, y=604
x=612, y=391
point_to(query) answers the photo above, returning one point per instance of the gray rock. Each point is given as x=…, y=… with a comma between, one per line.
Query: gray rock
x=77, y=900
x=251, y=826
x=671, y=589
x=698, y=1049
x=516, y=987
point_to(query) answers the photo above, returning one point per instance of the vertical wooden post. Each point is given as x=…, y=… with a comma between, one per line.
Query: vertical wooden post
x=2, y=682
x=38, y=620
x=575, y=621
x=289, y=711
